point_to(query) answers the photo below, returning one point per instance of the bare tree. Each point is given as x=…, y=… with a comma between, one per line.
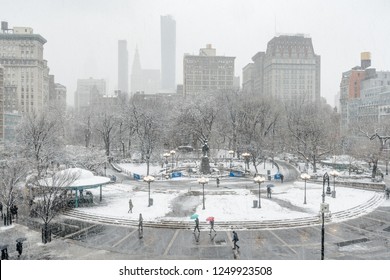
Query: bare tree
x=13, y=172
x=149, y=122
x=105, y=124
x=50, y=198
x=39, y=135
x=310, y=125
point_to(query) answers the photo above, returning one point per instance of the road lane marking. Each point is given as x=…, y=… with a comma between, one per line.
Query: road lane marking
x=171, y=242
x=124, y=238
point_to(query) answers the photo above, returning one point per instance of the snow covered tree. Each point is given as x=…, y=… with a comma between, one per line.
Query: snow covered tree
x=312, y=127
x=39, y=135
x=50, y=198
x=12, y=175
x=149, y=122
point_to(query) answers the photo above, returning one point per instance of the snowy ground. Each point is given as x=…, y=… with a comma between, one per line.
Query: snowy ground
x=230, y=202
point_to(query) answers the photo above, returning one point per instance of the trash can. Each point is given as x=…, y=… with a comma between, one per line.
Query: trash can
x=255, y=203
x=150, y=201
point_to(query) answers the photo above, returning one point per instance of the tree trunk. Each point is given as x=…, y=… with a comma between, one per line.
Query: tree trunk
x=374, y=168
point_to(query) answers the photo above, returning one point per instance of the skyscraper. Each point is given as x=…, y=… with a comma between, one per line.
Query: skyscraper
x=147, y=81
x=207, y=72
x=168, y=53
x=87, y=90
x=26, y=74
x=123, y=66
x=289, y=70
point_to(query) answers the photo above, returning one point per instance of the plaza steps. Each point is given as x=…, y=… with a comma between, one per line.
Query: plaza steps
x=367, y=207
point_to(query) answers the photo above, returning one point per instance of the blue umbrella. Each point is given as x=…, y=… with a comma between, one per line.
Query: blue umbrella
x=194, y=216
x=270, y=185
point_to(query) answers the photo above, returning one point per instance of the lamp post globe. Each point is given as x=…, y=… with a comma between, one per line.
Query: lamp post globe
x=166, y=156
x=203, y=181
x=305, y=177
x=259, y=180
x=231, y=153
x=334, y=173
x=149, y=179
x=172, y=152
x=246, y=158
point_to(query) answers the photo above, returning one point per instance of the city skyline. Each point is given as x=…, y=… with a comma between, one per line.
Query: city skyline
x=339, y=32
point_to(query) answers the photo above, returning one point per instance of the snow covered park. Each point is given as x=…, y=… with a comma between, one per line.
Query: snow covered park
x=232, y=201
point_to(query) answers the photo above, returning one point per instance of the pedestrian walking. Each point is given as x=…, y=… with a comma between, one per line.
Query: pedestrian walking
x=4, y=254
x=235, y=240
x=212, y=226
x=140, y=223
x=281, y=177
x=130, y=206
x=19, y=248
x=269, y=191
x=196, y=225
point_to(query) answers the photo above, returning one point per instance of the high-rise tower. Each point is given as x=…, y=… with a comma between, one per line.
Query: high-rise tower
x=26, y=75
x=168, y=53
x=123, y=66
x=289, y=70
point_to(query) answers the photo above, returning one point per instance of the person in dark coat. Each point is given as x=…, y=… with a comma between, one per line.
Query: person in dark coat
x=140, y=223
x=196, y=225
x=235, y=239
x=269, y=191
x=281, y=177
x=19, y=248
x=4, y=254
x=212, y=226
x=130, y=206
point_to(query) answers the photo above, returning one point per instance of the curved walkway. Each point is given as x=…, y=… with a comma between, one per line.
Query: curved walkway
x=361, y=209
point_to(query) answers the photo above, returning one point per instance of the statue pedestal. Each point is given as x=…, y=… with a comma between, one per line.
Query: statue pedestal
x=205, y=165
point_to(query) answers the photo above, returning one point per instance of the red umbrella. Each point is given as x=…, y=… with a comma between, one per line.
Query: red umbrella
x=210, y=219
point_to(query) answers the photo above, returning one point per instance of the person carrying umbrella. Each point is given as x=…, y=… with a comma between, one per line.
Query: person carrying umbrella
x=235, y=239
x=211, y=221
x=196, y=225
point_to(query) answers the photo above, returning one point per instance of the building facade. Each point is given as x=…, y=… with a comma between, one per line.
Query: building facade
x=168, y=53
x=364, y=95
x=26, y=75
x=123, y=67
x=289, y=70
x=87, y=90
x=207, y=72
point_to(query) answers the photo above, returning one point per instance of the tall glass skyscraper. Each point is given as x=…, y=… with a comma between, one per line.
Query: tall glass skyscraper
x=168, y=53
x=123, y=66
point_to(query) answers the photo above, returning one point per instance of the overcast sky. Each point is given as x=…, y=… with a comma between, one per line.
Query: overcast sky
x=82, y=36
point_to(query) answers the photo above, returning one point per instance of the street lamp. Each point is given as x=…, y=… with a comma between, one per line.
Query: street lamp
x=203, y=181
x=324, y=207
x=172, y=152
x=305, y=177
x=334, y=173
x=246, y=158
x=149, y=179
x=166, y=155
x=231, y=153
x=259, y=180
